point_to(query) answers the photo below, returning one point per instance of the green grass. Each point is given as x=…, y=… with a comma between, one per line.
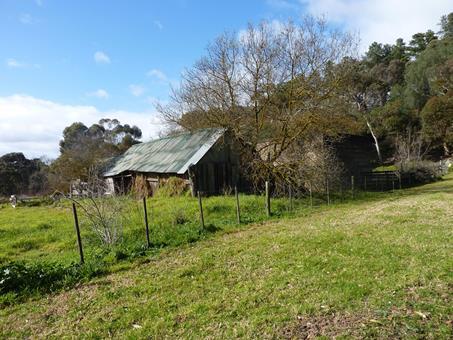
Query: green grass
x=385, y=168
x=39, y=253
x=32, y=233
x=376, y=267
x=46, y=233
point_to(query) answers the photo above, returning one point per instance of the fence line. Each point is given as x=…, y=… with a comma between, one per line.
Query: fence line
x=238, y=210
x=77, y=228
x=146, y=222
x=373, y=181
x=200, y=205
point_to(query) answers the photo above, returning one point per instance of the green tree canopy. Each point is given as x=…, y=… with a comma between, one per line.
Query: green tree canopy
x=437, y=118
x=16, y=172
x=83, y=147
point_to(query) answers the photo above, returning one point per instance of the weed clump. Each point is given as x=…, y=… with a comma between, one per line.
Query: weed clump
x=20, y=277
x=173, y=187
x=179, y=217
x=44, y=226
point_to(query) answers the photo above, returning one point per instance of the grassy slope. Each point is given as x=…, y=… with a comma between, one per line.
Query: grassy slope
x=380, y=268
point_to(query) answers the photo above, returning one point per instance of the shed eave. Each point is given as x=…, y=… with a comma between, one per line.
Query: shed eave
x=201, y=152
x=170, y=155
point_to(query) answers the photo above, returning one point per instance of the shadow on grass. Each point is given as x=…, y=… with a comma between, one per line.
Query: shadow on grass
x=444, y=185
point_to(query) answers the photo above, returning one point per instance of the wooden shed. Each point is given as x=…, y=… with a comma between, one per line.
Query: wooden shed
x=206, y=159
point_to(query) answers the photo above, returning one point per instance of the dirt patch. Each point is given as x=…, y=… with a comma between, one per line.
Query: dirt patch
x=330, y=325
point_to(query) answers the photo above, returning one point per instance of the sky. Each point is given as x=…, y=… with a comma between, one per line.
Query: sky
x=68, y=61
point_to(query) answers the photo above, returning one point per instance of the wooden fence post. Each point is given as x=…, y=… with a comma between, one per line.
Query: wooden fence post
x=79, y=239
x=399, y=179
x=393, y=185
x=327, y=191
x=200, y=204
x=311, y=196
x=268, y=200
x=146, y=222
x=364, y=187
x=290, y=194
x=238, y=211
x=352, y=186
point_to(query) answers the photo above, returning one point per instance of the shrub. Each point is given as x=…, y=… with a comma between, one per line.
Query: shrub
x=173, y=186
x=420, y=172
x=140, y=187
x=105, y=216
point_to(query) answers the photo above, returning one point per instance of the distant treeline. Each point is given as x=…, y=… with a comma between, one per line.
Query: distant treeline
x=82, y=149
x=19, y=175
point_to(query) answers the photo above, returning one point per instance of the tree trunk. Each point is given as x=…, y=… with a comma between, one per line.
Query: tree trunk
x=376, y=143
x=446, y=150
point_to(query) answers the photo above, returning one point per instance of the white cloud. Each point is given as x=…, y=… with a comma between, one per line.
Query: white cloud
x=282, y=4
x=162, y=78
x=14, y=63
x=26, y=19
x=383, y=21
x=136, y=90
x=101, y=58
x=158, y=74
x=34, y=126
x=101, y=93
x=274, y=25
x=158, y=24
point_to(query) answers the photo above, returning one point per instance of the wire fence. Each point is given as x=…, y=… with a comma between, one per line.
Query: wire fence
x=171, y=221
x=157, y=222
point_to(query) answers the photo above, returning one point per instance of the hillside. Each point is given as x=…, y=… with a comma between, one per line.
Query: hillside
x=377, y=268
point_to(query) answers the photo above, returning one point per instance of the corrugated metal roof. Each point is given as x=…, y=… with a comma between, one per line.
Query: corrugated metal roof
x=166, y=155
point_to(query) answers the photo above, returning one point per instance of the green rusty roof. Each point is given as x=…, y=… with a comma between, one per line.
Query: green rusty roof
x=172, y=154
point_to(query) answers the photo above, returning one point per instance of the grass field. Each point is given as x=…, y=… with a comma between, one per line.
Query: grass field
x=376, y=267
x=46, y=233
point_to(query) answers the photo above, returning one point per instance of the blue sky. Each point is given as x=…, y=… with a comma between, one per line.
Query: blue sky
x=63, y=61
x=54, y=45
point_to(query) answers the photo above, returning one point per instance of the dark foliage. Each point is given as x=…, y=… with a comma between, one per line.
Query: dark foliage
x=20, y=175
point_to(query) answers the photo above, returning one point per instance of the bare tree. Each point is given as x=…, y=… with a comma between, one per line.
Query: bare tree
x=270, y=85
x=314, y=164
x=106, y=215
x=410, y=148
